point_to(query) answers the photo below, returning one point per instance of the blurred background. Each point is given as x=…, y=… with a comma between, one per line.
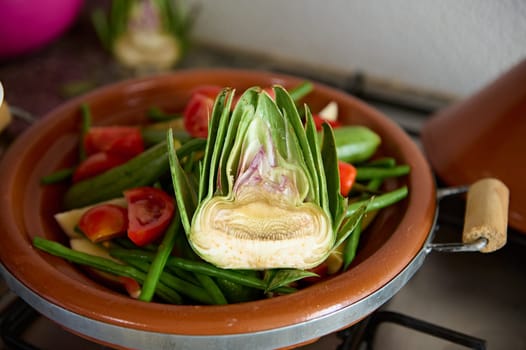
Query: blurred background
x=449, y=46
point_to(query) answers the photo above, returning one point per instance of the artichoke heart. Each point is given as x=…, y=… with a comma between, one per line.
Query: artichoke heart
x=263, y=199
x=260, y=234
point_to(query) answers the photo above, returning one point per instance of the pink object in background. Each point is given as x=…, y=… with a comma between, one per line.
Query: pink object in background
x=27, y=25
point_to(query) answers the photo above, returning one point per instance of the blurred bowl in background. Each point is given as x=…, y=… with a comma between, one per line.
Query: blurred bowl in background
x=28, y=25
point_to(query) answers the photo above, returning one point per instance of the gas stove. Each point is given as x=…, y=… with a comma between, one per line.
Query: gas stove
x=454, y=301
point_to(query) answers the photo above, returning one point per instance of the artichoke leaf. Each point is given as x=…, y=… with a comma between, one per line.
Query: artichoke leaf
x=337, y=202
x=239, y=122
x=283, y=277
x=289, y=110
x=312, y=137
x=216, y=128
x=185, y=195
x=349, y=224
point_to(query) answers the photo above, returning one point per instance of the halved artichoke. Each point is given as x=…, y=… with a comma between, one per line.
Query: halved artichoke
x=269, y=193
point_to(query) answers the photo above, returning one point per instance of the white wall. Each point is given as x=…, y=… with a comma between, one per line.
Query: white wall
x=452, y=46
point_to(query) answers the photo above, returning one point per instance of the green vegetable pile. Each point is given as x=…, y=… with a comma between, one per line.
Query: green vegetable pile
x=259, y=203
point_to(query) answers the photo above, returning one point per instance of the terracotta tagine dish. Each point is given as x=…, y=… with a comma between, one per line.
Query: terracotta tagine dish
x=65, y=293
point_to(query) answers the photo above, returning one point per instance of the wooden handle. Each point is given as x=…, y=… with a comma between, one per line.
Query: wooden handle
x=5, y=116
x=487, y=214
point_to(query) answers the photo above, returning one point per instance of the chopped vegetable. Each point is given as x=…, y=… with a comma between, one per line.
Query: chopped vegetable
x=351, y=246
x=150, y=211
x=368, y=173
x=125, y=141
x=58, y=176
x=318, y=121
x=329, y=113
x=102, y=264
x=104, y=222
x=269, y=198
x=96, y=164
x=142, y=170
x=355, y=144
x=200, y=267
x=69, y=220
x=347, y=177
x=106, y=147
x=198, y=109
x=158, y=263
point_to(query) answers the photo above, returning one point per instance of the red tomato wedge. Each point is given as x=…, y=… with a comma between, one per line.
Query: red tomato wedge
x=347, y=177
x=150, y=211
x=96, y=164
x=132, y=286
x=198, y=109
x=104, y=222
x=270, y=92
x=318, y=122
x=126, y=141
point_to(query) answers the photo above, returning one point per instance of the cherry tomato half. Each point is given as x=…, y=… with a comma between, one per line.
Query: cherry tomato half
x=122, y=140
x=347, y=177
x=96, y=164
x=104, y=222
x=199, y=109
x=150, y=211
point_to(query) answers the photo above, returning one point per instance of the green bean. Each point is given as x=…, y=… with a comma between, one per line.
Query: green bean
x=300, y=91
x=368, y=173
x=374, y=184
x=379, y=202
x=385, y=162
x=58, y=176
x=351, y=245
x=365, y=190
x=86, y=125
x=125, y=242
x=213, y=290
x=183, y=274
x=169, y=295
x=157, y=115
x=152, y=136
x=202, y=268
x=142, y=170
x=236, y=293
x=194, y=292
x=99, y=263
x=69, y=254
x=158, y=263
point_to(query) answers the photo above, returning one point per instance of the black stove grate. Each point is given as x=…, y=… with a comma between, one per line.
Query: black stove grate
x=19, y=317
x=363, y=333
